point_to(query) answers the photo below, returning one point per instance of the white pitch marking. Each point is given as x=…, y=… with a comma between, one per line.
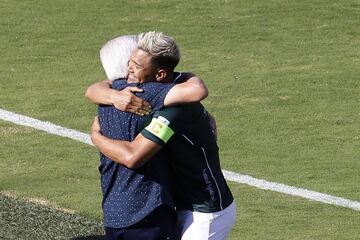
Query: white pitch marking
x=44, y=126
x=231, y=176
x=294, y=191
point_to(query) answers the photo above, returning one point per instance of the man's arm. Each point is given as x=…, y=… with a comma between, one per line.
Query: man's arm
x=192, y=90
x=130, y=154
x=124, y=100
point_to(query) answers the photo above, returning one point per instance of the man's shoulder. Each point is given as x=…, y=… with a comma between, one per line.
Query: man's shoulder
x=183, y=108
x=153, y=89
x=119, y=84
x=184, y=112
x=155, y=85
x=170, y=110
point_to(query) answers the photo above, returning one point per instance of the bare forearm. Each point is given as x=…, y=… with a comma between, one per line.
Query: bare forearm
x=116, y=150
x=100, y=93
x=130, y=154
x=124, y=100
x=193, y=90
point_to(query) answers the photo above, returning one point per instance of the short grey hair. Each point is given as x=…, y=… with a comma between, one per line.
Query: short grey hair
x=115, y=56
x=162, y=48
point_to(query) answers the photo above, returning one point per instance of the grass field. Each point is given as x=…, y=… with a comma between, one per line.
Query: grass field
x=284, y=83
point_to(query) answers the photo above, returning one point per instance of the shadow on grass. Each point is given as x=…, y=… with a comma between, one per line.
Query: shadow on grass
x=93, y=237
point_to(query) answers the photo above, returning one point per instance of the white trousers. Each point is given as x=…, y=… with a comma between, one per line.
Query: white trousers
x=204, y=226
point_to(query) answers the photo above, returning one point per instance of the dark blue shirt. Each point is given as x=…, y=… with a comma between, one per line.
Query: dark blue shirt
x=130, y=195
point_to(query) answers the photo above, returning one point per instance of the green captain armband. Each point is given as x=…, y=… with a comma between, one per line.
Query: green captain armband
x=159, y=127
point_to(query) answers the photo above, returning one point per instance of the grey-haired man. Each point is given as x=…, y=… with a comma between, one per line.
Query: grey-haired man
x=203, y=200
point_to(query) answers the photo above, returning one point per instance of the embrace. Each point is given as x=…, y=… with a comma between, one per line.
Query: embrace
x=159, y=160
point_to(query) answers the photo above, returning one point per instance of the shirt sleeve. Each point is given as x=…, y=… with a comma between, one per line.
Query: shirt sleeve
x=163, y=125
x=155, y=93
x=161, y=97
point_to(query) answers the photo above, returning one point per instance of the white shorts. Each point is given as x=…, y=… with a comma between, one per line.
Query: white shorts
x=202, y=226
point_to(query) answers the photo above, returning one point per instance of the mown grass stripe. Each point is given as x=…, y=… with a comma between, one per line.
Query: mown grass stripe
x=231, y=176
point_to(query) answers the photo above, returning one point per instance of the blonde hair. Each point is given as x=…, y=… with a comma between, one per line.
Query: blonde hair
x=115, y=56
x=162, y=48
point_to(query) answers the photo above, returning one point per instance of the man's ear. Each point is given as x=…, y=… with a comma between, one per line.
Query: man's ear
x=161, y=75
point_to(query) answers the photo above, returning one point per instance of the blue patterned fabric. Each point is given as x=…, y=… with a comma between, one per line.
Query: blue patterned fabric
x=130, y=195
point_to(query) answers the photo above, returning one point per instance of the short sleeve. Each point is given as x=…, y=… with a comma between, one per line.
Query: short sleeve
x=160, y=95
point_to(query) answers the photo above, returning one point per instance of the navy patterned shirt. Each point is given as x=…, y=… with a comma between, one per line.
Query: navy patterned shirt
x=129, y=195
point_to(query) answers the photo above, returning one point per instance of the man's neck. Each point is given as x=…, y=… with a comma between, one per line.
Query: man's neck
x=169, y=79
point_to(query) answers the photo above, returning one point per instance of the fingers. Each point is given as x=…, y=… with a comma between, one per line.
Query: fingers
x=127, y=101
x=95, y=127
x=138, y=106
x=139, y=110
x=138, y=102
x=142, y=112
x=134, y=89
x=145, y=106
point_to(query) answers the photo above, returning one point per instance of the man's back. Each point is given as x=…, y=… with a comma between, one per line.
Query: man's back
x=199, y=184
x=130, y=195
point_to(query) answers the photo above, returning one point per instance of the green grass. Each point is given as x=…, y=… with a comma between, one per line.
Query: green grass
x=268, y=215
x=40, y=165
x=23, y=220
x=283, y=78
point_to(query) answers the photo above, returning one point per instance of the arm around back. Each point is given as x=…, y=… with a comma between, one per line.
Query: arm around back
x=100, y=92
x=192, y=90
x=130, y=154
x=124, y=100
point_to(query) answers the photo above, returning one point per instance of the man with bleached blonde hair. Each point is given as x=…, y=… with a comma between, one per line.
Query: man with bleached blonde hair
x=204, y=203
x=162, y=48
x=137, y=203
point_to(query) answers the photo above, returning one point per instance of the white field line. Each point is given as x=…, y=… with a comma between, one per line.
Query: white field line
x=294, y=191
x=231, y=176
x=44, y=126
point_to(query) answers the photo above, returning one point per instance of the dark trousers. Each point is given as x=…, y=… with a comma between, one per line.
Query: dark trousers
x=160, y=224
